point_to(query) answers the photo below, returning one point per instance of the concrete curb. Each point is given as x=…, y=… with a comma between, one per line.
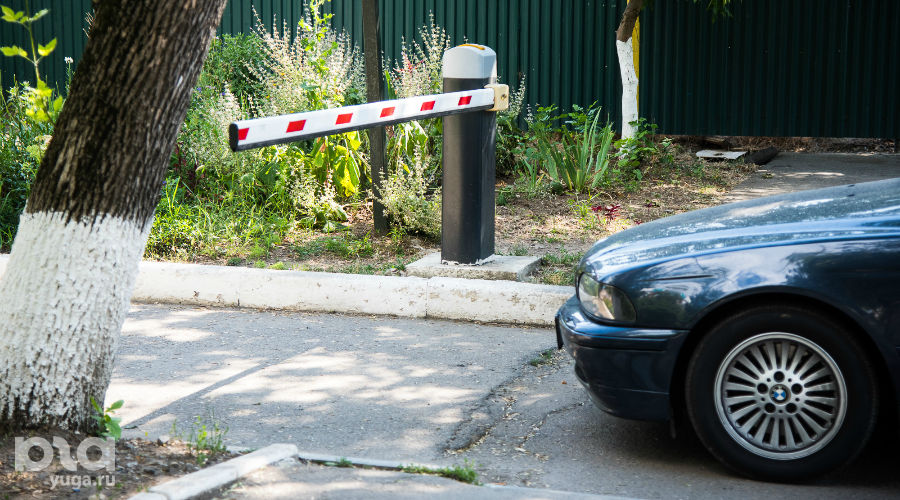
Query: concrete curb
x=219, y=475
x=502, y=491
x=321, y=458
x=443, y=298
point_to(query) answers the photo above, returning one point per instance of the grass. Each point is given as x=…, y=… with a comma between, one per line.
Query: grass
x=205, y=438
x=544, y=358
x=464, y=473
x=343, y=463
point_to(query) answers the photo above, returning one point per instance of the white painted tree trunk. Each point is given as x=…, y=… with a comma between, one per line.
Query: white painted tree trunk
x=74, y=261
x=625, y=51
x=64, y=297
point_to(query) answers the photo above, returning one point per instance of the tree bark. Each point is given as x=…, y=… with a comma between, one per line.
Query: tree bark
x=629, y=19
x=625, y=51
x=75, y=258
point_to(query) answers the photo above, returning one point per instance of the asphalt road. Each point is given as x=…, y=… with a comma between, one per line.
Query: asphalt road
x=333, y=384
x=552, y=436
x=420, y=391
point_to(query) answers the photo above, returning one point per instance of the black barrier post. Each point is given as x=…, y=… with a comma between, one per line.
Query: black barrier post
x=467, y=214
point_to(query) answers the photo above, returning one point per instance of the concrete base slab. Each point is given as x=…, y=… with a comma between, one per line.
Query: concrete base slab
x=719, y=154
x=499, y=267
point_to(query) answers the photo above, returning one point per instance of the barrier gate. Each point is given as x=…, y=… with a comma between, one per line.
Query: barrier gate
x=469, y=102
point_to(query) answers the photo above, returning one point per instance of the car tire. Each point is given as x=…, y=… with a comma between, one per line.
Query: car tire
x=781, y=393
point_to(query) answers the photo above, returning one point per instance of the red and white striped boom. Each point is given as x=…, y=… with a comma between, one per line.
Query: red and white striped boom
x=259, y=132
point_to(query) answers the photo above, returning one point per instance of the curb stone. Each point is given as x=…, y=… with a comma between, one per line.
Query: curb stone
x=218, y=475
x=320, y=458
x=440, y=298
x=490, y=490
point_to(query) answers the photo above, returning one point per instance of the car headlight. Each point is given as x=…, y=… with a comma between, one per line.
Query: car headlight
x=604, y=301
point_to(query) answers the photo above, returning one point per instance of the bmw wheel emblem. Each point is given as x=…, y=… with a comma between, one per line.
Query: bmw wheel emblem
x=779, y=394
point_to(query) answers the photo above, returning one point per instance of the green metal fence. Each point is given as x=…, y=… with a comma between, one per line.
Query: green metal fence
x=822, y=68
x=800, y=68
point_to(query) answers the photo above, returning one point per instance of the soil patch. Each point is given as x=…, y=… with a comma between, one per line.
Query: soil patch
x=139, y=464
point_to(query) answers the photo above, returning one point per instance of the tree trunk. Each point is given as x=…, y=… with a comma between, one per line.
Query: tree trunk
x=69, y=280
x=625, y=51
x=377, y=138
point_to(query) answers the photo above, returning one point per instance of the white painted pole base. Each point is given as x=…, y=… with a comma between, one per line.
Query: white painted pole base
x=63, y=300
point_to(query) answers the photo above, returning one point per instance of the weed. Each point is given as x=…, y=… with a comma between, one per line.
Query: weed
x=585, y=213
x=561, y=267
x=278, y=266
x=257, y=252
x=234, y=261
x=344, y=247
x=562, y=278
x=206, y=438
x=465, y=473
x=409, y=203
x=107, y=425
x=563, y=258
x=607, y=214
x=544, y=358
x=579, y=159
x=503, y=195
x=634, y=152
x=260, y=264
x=530, y=180
x=519, y=250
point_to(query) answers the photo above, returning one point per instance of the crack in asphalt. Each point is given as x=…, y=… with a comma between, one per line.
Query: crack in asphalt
x=497, y=406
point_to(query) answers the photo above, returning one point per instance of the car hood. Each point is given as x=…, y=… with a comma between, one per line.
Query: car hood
x=852, y=211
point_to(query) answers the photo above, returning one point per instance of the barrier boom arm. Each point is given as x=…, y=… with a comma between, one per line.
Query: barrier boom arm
x=259, y=132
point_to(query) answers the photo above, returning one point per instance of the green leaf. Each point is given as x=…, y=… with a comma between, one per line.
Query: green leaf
x=118, y=404
x=43, y=90
x=57, y=104
x=10, y=16
x=41, y=116
x=45, y=50
x=113, y=429
x=13, y=51
x=37, y=16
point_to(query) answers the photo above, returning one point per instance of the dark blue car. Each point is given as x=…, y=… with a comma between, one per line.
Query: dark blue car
x=773, y=325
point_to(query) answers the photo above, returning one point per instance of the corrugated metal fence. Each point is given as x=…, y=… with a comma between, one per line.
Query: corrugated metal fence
x=826, y=68
x=800, y=68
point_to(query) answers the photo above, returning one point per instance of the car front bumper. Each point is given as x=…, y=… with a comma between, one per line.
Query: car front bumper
x=626, y=371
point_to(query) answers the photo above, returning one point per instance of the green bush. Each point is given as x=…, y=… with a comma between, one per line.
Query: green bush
x=23, y=141
x=318, y=69
x=636, y=152
x=27, y=116
x=509, y=135
x=576, y=156
x=409, y=204
x=417, y=72
x=228, y=64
